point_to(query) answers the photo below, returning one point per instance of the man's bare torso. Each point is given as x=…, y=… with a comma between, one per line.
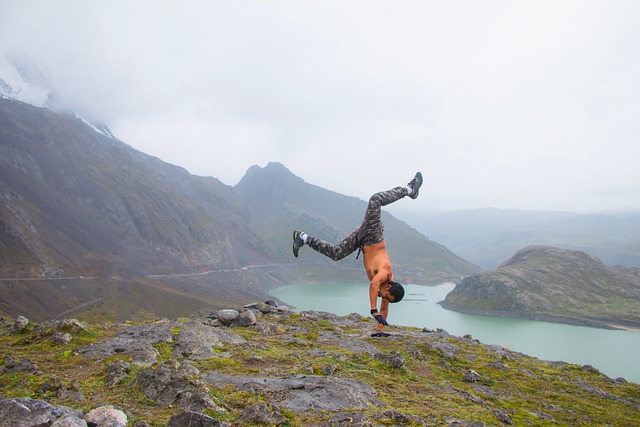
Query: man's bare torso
x=376, y=261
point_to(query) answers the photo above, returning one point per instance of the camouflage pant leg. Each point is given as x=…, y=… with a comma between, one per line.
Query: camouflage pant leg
x=335, y=252
x=370, y=231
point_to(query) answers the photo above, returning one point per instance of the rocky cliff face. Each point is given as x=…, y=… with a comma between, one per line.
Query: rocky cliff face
x=265, y=365
x=547, y=283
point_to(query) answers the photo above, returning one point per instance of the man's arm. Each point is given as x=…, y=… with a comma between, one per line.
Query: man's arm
x=384, y=310
x=383, y=276
x=374, y=289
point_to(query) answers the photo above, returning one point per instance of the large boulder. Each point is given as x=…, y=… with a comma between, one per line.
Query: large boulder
x=26, y=412
x=304, y=393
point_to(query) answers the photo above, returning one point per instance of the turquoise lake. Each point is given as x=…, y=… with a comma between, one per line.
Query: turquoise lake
x=613, y=352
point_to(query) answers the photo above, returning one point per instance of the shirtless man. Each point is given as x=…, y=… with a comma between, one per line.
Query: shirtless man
x=368, y=237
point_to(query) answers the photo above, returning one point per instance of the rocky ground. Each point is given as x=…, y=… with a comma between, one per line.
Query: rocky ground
x=266, y=365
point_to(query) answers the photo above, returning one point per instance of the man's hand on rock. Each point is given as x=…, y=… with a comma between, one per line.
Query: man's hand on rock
x=379, y=317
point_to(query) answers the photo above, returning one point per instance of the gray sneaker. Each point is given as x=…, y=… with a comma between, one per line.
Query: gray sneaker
x=297, y=242
x=415, y=185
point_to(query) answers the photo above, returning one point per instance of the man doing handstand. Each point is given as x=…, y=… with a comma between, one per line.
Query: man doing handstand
x=368, y=237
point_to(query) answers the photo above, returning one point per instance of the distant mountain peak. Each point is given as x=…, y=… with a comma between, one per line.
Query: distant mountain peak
x=273, y=172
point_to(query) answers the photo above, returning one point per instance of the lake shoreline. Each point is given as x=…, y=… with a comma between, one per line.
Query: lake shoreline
x=540, y=317
x=570, y=343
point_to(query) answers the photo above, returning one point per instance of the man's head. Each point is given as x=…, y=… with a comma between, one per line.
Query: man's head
x=391, y=291
x=397, y=291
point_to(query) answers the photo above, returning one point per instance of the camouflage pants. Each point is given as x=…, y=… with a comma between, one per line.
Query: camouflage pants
x=368, y=233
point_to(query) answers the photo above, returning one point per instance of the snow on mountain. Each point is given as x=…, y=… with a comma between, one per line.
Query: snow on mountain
x=24, y=82
x=23, y=79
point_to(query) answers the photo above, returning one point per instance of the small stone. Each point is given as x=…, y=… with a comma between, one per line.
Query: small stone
x=117, y=372
x=350, y=419
x=328, y=369
x=393, y=359
x=471, y=376
x=106, y=415
x=227, y=316
x=61, y=338
x=21, y=323
x=263, y=413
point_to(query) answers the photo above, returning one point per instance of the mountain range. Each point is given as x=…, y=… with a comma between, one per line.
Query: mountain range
x=89, y=223
x=90, y=226
x=488, y=236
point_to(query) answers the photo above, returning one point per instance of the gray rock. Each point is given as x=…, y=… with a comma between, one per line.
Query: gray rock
x=349, y=419
x=10, y=365
x=134, y=341
x=69, y=421
x=106, y=416
x=117, y=372
x=65, y=393
x=166, y=382
x=66, y=325
x=503, y=416
x=351, y=321
x=263, y=413
x=446, y=349
x=197, y=339
x=471, y=376
x=305, y=393
x=193, y=339
x=393, y=359
x=268, y=328
x=198, y=402
x=246, y=318
x=63, y=338
x=358, y=346
x=398, y=418
x=264, y=307
x=21, y=323
x=26, y=412
x=194, y=419
x=329, y=369
x=226, y=316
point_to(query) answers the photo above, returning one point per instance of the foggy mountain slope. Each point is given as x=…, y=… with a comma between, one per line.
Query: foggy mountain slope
x=98, y=202
x=552, y=284
x=74, y=202
x=280, y=202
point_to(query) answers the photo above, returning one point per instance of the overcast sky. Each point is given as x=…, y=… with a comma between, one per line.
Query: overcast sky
x=508, y=104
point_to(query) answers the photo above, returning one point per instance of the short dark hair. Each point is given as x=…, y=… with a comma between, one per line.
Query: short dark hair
x=397, y=291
